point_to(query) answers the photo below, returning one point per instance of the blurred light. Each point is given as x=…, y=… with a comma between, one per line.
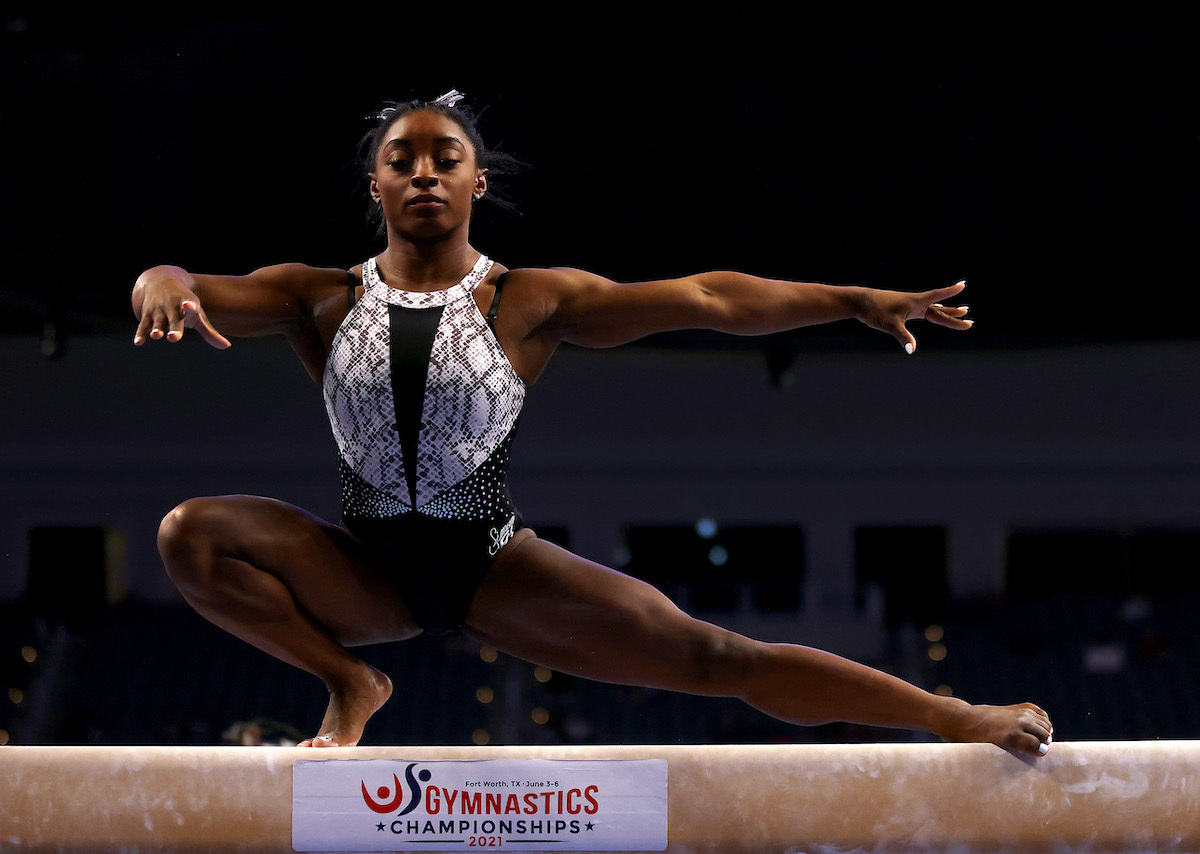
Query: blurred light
x=937, y=651
x=3, y=737
x=485, y=695
x=718, y=556
x=706, y=527
x=1104, y=658
x=933, y=634
x=622, y=556
x=944, y=691
x=488, y=654
x=481, y=737
x=543, y=674
x=51, y=340
x=16, y=695
x=540, y=716
x=29, y=654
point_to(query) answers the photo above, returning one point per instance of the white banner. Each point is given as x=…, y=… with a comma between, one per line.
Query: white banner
x=518, y=804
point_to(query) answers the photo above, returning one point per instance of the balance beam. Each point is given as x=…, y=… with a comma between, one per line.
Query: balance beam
x=1083, y=796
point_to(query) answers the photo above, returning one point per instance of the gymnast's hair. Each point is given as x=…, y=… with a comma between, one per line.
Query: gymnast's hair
x=449, y=105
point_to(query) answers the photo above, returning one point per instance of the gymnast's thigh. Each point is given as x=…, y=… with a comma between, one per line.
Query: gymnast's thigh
x=327, y=570
x=544, y=604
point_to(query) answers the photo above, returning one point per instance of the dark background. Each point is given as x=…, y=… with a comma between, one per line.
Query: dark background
x=1055, y=169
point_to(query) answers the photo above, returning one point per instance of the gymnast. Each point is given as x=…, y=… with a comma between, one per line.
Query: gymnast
x=424, y=353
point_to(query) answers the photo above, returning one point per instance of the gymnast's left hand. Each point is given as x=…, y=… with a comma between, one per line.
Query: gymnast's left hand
x=890, y=311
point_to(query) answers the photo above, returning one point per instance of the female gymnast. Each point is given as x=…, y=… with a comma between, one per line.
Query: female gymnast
x=424, y=353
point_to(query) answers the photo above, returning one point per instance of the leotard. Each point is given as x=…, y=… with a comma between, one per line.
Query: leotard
x=424, y=406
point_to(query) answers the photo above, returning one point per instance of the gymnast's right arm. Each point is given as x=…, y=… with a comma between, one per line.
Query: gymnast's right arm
x=272, y=300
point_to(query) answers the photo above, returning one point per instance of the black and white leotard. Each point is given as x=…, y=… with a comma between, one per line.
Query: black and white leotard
x=424, y=406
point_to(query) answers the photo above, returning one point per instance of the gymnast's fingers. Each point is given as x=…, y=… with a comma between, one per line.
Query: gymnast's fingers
x=161, y=323
x=177, y=322
x=195, y=317
x=145, y=324
x=952, y=317
x=941, y=294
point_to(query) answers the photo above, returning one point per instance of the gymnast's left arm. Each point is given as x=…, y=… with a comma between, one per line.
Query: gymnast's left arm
x=592, y=311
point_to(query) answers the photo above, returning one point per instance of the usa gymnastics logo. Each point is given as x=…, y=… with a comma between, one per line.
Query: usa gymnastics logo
x=463, y=805
x=391, y=799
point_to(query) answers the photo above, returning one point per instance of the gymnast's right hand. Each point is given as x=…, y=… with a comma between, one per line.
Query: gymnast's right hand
x=165, y=304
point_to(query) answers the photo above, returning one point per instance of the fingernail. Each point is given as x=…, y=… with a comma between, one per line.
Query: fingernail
x=1043, y=749
x=908, y=348
x=960, y=282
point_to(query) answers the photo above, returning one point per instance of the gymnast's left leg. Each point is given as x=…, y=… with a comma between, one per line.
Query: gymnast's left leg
x=550, y=607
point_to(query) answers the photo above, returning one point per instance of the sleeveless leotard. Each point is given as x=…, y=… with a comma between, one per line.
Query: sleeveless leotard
x=424, y=406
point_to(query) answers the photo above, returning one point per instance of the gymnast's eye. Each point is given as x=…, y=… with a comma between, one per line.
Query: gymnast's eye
x=399, y=164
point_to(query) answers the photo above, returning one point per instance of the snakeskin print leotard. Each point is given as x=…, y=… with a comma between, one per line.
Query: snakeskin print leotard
x=424, y=406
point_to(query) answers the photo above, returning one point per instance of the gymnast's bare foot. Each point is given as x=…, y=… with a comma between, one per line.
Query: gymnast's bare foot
x=1023, y=728
x=350, y=707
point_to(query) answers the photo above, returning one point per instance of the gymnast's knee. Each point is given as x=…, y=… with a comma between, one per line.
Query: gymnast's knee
x=718, y=662
x=186, y=535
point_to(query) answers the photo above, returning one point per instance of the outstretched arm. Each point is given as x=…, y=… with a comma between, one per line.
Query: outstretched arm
x=272, y=300
x=592, y=311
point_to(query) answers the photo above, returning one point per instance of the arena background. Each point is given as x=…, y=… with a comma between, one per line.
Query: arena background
x=1009, y=514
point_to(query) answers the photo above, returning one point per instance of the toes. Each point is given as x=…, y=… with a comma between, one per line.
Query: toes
x=1026, y=744
x=319, y=741
x=1036, y=746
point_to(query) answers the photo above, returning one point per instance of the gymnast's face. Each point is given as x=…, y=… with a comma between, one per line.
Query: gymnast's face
x=426, y=175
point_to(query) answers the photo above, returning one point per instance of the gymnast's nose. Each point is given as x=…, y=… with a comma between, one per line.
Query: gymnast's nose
x=424, y=174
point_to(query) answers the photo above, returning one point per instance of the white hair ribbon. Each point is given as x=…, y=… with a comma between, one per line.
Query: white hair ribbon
x=450, y=98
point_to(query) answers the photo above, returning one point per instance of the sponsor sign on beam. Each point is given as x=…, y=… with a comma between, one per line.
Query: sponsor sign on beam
x=542, y=804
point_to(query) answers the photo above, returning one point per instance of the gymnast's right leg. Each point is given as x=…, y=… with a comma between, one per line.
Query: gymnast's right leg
x=296, y=587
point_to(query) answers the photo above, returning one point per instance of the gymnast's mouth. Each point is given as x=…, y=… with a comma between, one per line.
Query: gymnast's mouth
x=426, y=199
